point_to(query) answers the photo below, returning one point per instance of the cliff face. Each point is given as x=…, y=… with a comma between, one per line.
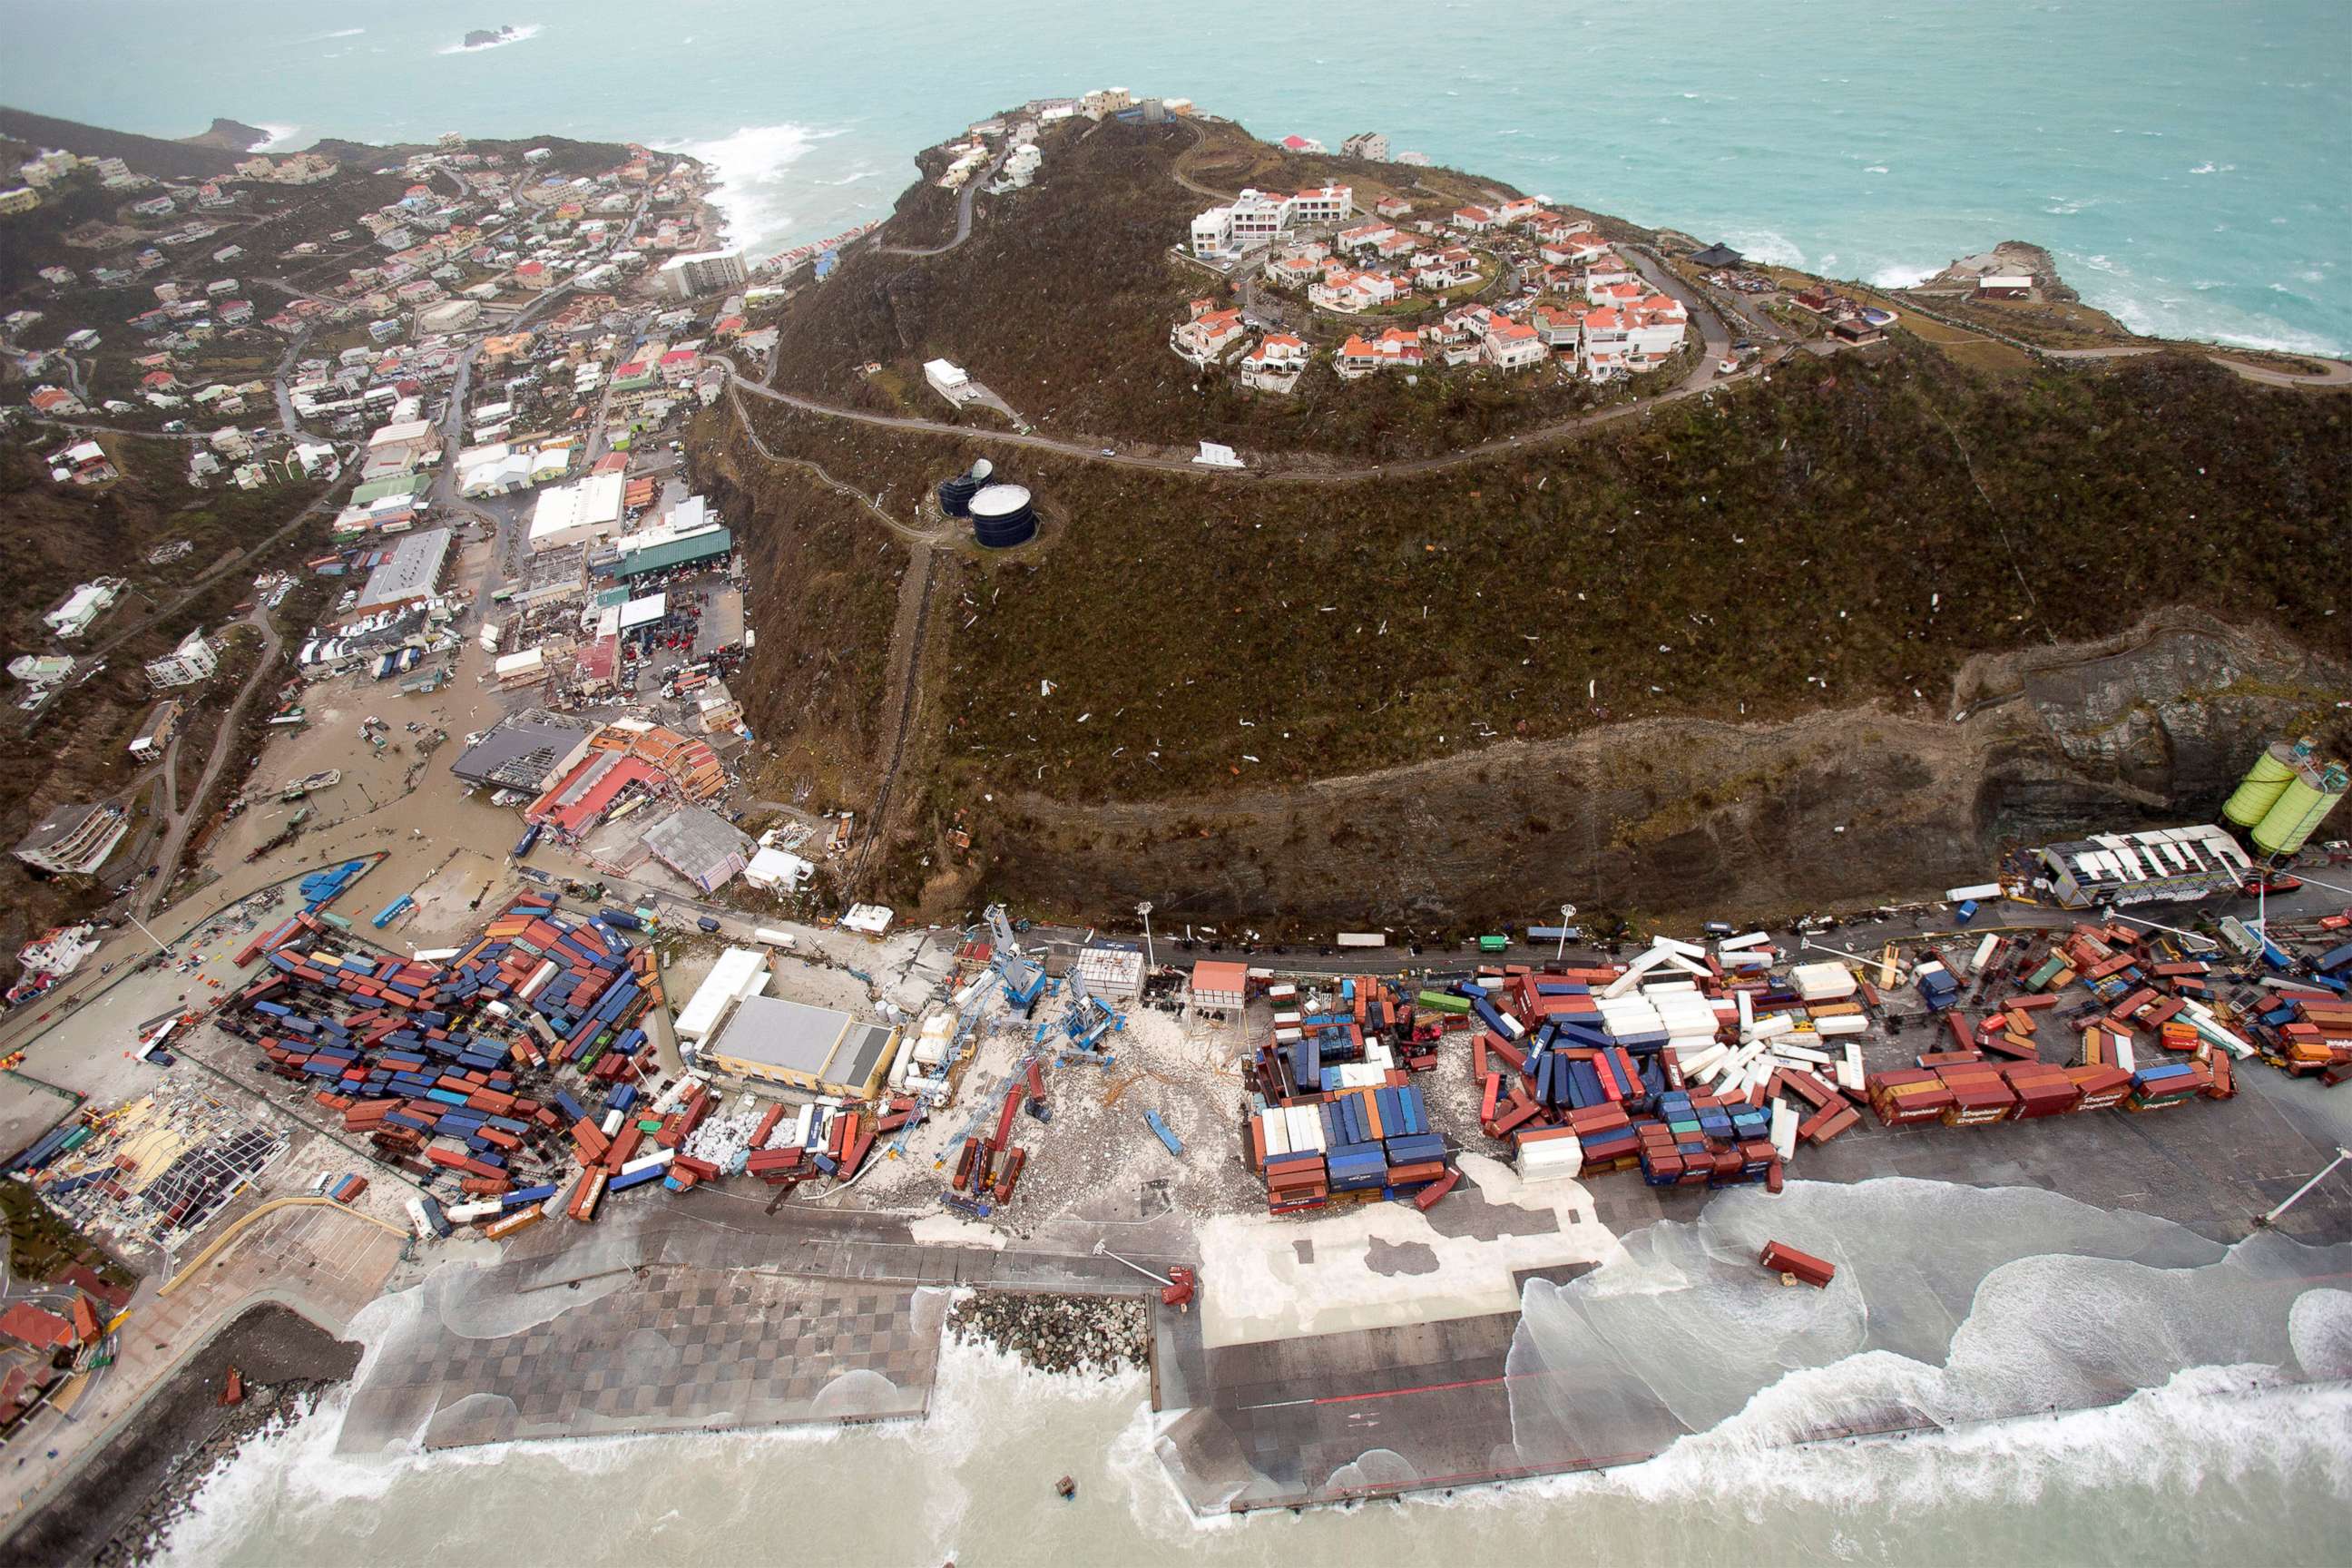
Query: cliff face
x=1685, y=818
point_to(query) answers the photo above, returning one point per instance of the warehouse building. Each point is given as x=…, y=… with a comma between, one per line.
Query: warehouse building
x=578, y=514
x=2164, y=865
x=740, y=971
x=527, y=750
x=668, y=548
x=700, y=846
x=814, y=1048
x=407, y=578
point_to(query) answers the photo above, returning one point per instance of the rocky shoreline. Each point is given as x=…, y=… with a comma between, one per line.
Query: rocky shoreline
x=269, y=1409
x=120, y=1507
x=1101, y=1336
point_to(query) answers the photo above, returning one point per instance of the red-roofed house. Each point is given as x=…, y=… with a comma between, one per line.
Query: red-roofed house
x=532, y=275
x=1392, y=349
x=1275, y=363
x=1513, y=345
x=1206, y=337
x=29, y=1325
x=1473, y=220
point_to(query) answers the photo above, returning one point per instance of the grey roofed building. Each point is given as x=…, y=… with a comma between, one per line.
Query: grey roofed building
x=408, y=576
x=528, y=749
x=1717, y=256
x=816, y=1049
x=700, y=846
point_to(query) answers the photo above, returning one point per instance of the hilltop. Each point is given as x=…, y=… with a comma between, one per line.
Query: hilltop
x=1194, y=661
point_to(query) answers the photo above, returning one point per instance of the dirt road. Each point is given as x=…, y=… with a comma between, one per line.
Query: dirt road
x=184, y=812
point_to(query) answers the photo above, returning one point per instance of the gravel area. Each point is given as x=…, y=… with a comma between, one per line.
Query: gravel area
x=1099, y=1336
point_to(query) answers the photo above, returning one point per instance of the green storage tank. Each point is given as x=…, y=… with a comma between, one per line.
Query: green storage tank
x=2262, y=786
x=2302, y=806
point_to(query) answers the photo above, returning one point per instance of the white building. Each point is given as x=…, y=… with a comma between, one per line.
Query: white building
x=949, y=381
x=1275, y=363
x=74, y=840
x=702, y=272
x=83, y=606
x=583, y=513
x=194, y=659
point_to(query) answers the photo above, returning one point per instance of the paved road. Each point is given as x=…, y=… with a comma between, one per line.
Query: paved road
x=963, y=215
x=186, y=812
x=2338, y=372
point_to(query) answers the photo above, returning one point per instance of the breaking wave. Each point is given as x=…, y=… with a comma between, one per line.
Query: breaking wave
x=756, y=190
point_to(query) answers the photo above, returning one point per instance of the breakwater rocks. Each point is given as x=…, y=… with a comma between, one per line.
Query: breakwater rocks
x=1101, y=1335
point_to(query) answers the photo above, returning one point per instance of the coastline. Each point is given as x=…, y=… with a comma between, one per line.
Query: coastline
x=125, y=1499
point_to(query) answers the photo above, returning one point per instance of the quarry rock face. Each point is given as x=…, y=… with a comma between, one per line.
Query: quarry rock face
x=1686, y=817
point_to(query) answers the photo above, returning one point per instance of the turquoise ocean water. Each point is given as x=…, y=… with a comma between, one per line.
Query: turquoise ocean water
x=2186, y=159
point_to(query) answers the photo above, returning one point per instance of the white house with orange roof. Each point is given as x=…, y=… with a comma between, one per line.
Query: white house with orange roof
x=1608, y=270
x=1570, y=249
x=1322, y=205
x=1513, y=345
x=1601, y=351
x=1518, y=209
x=1446, y=268
x=1293, y=271
x=1392, y=207
x=1348, y=291
x=1473, y=220
x=1365, y=236
x=1275, y=363
x=1561, y=327
x=1393, y=350
x=1396, y=245
x=1208, y=337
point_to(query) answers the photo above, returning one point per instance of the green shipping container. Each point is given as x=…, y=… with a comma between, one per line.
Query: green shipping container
x=1443, y=1002
x=2042, y=976
x=1493, y=943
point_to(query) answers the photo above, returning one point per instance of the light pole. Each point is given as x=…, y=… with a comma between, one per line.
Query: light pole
x=1567, y=913
x=2266, y=1219
x=1144, y=908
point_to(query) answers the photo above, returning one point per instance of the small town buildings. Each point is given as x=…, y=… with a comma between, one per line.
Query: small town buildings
x=1392, y=207
x=1350, y=292
x=194, y=659
x=2005, y=286
x=1369, y=145
x=700, y=846
x=1472, y=220
x=1293, y=271
x=73, y=839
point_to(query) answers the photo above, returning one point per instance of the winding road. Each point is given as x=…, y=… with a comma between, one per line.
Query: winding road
x=184, y=815
x=963, y=216
x=1705, y=376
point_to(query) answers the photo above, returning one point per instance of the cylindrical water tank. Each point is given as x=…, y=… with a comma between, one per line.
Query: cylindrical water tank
x=2262, y=786
x=1002, y=517
x=2302, y=806
x=955, y=494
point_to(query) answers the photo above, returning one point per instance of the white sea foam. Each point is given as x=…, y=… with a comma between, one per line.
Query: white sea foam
x=756, y=187
x=2213, y=168
x=279, y=136
x=1876, y=169
x=337, y=32
x=1902, y=275
x=527, y=31
x=1767, y=246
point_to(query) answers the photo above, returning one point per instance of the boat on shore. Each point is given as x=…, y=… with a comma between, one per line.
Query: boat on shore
x=325, y=778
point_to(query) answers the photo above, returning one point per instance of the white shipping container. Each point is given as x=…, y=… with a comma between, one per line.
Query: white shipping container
x=1275, y=1127
x=1363, y=939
